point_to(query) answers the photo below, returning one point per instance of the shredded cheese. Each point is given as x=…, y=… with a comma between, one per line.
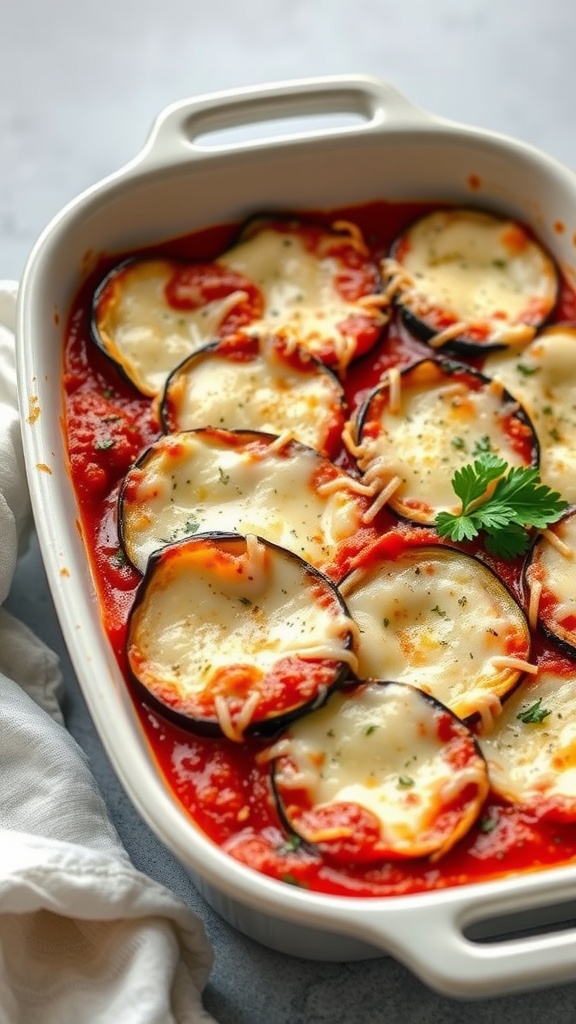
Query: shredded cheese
x=394, y=380
x=399, y=281
x=355, y=236
x=225, y=719
x=279, y=442
x=535, y=587
x=561, y=547
x=489, y=706
x=519, y=664
x=387, y=491
x=448, y=334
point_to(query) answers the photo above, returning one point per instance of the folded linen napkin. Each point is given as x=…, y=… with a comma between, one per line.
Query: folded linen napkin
x=84, y=936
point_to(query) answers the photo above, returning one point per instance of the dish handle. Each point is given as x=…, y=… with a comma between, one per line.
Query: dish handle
x=200, y=127
x=486, y=944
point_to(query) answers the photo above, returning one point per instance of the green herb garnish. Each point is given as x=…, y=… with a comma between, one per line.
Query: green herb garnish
x=534, y=714
x=527, y=371
x=500, y=502
x=481, y=446
x=487, y=824
x=290, y=844
x=405, y=781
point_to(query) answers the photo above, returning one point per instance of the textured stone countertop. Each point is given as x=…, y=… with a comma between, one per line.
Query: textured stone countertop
x=79, y=87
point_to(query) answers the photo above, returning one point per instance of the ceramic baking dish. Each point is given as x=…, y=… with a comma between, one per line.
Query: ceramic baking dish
x=353, y=139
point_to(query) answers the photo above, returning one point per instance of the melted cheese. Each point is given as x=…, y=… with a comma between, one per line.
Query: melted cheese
x=380, y=749
x=543, y=380
x=439, y=620
x=553, y=571
x=480, y=269
x=299, y=290
x=193, y=483
x=146, y=335
x=431, y=433
x=264, y=393
x=535, y=763
x=209, y=628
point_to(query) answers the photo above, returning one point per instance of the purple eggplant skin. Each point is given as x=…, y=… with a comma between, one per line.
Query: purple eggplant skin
x=450, y=367
x=209, y=726
x=462, y=347
x=564, y=645
x=212, y=348
x=353, y=685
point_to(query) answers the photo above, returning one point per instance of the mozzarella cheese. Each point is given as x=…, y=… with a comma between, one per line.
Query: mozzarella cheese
x=553, y=572
x=477, y=270
x=210, y=480
x=432, y=429
x=148, y=337
x=215, y=617
x=263, y=392
x=301, y=298
x=534, y=763
x=439, y=620
x=543, y=379
x=379, y=747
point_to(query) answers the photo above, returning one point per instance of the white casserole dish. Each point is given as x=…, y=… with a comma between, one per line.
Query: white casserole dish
x=179, y=183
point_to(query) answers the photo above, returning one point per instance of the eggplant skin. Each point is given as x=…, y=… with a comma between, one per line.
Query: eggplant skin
x=266, y=728
x=564, y=639
x=421, y=494
x=94, y=325
x=235, y=401
x=284, y=683
x=450, y=367
x=344, y=810
x=499, y=242
x=460, y=587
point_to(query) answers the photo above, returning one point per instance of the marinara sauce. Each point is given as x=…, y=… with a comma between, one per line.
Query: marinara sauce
x=221, y=784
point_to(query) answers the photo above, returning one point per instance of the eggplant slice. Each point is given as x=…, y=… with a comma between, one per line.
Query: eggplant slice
x=256, y=384
x=531, y=753
x=426, y=421
x=321, y=287
x=551, y=582
x=232, y=635
x=469, y=280
x=380, y=771
x=150, y=314
x=543, y=379
x=245, y=481
x=440, y=620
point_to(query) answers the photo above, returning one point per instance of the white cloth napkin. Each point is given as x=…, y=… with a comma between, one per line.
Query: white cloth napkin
x=85, y=938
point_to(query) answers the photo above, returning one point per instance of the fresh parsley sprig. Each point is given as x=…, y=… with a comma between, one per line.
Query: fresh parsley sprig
x=500, y=502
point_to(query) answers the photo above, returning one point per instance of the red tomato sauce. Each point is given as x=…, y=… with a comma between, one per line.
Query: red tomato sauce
x=223, y=785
